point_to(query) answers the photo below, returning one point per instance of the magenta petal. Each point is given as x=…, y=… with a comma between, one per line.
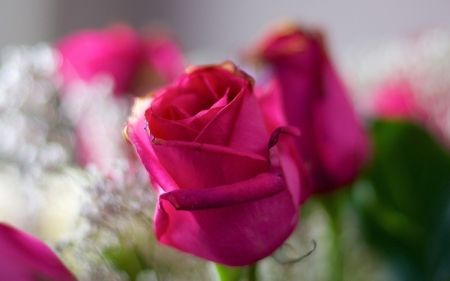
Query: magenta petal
x=333, y=143
x=341, y=140
x=195, y=165
x=397, y=100
x=218, y=130
x=24, y=258
x=235, y=235
x=137, y=134
x=293, y=131
x=199, y=121
x=168, y=129
x=262, y=186
x=271, y=102
x=227, y=196
x=250, y=133
x=115, y=51
x=211, y=82
x=189, y=103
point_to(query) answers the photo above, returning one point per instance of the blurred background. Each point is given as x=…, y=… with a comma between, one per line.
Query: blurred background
x=410, y=228
x=219, y=28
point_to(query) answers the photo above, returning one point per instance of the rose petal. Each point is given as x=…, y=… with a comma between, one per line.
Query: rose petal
x=250, y=132
x=333, y=143
x=137, y=134
x=211, y=82
x=262, y=186
x=235, y=235
x=341, y=140
x=189, y=103
x=234, y=207
x=204, y=165
x=220, y=129
x=199, y=121
x=23, y=258
x=271, y=102
x=168, y=129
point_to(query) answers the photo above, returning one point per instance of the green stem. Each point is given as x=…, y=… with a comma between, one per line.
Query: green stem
x=228, y=273
x=251, y=272
x=333, y=205
x=337, y=254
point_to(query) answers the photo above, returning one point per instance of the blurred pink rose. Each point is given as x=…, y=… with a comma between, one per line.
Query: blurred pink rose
x=396, y=100
x=333, y=143
x=134, y=62
x=25, y=258
x=227, y=191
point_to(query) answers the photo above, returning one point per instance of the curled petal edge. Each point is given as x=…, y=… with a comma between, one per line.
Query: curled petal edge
x=259, y=187
x=262, y=186
x=290, y=130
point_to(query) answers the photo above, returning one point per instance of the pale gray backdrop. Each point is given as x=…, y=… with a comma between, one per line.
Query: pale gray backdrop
x=223, y=26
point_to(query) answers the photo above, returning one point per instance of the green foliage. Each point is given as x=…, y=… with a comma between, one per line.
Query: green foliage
x=127, y=260
x=404, y=201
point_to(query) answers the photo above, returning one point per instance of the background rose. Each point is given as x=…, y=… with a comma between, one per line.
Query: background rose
x=397, y=100
x=223, y=195
x=313, y=98
x=24, y=258
x=115, y=51
x=136, y=63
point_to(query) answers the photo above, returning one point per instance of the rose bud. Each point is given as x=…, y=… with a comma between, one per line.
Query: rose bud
x=333, y=143
x=25, y=258
x=224, y=191
x=133, y=62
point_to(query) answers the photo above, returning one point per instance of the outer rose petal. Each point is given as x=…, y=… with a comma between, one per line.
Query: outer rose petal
x=136, y=133
x=341, y=141
x=271, y=102
x=25, y=258
x=204, y=165
x=236, y=235
x=261, y=186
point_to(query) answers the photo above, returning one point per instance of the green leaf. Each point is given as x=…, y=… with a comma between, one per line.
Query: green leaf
x=402, y=199
x=410, y=171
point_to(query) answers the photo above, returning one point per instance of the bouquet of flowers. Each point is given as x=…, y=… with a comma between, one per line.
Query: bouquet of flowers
x=121, y=161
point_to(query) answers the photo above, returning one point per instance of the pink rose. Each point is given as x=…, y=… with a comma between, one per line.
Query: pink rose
x=397, y=100
x=333, y=143
x=25, y=258
x=226, y=191
x=135, y=63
